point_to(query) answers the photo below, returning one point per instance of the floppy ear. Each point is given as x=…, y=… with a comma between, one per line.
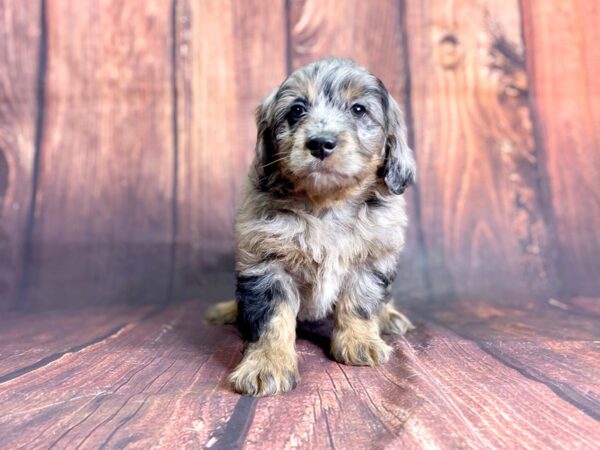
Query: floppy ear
x=399, y=170
x=265, y=141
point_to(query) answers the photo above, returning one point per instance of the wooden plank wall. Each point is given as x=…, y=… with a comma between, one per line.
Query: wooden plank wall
x=218, y=87
x=483, y=213
x=103, y=211
x=126, y=130
x=20, y=58
x=564, y=61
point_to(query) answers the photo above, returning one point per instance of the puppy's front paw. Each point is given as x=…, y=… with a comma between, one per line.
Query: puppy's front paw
x=355, y=349
x=261, y=374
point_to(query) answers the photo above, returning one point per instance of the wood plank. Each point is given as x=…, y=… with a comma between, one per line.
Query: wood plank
x=104, y=203
x=483, y=217
x=438, y=391
x=230, y=55
x=554, y=342
x=161, y=382
x=319, y=29
x=158, y=373
x=564, y=60
x=49, y=335
x=20, y=34
x=586, y=305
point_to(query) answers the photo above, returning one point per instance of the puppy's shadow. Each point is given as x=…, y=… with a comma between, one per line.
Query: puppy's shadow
x=316, y=332
x=223, y=343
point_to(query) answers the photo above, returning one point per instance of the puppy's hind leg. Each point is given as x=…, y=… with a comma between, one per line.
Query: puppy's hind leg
x=267, y=309
x=222, y=313
x=392, y=321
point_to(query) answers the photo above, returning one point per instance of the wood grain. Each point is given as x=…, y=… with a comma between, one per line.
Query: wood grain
x=484, y=224
x=50, y=335
x=372, y=34
x=230, y=55
x=141, y=120
x=563, y=356
x=160, y=368
x=160, y=381
x=564, y=58
x=20, y=44
x=103, y=212
x=130, y=126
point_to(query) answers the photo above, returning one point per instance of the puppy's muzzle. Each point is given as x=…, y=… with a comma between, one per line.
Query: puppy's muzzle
x=321, y=146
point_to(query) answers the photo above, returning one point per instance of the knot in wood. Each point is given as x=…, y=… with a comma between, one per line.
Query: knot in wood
x=516, y=85
x=449, y=51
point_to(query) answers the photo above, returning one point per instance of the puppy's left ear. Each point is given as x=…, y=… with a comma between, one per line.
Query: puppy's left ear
x=265, y=143
x=400, y=169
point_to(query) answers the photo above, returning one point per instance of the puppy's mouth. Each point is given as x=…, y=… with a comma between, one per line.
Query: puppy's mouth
x=323, y=168
x=317, y=174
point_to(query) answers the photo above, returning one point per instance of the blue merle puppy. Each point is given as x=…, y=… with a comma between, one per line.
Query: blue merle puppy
x=321, y=223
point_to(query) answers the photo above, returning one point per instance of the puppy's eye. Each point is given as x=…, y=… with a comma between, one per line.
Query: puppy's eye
x=358, y=110
x=296, y=113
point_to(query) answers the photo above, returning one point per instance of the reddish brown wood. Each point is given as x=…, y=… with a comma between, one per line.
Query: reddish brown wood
x=117, y=188
x=586, y=305
x=482, y=216
x=27, y=341
x=161, y=369
x=564, y=59
x=160, y=381
x=229, y=56
x=553, y=342
x=20, y=59
x=103, y=215
x=372, y=34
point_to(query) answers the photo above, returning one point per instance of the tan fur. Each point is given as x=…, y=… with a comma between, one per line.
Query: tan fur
x=270, y=366
x=356, y=340
x=222, y=313
x=392, y=321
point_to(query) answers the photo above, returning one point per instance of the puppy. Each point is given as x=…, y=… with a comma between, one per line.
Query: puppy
x=321, y=223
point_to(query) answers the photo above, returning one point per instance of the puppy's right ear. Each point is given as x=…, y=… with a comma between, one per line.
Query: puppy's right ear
x=265, y=140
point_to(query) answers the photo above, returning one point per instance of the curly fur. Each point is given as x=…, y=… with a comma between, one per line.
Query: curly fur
x=321, y=235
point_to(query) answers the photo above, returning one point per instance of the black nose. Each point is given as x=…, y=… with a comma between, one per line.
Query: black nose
x=321, y=146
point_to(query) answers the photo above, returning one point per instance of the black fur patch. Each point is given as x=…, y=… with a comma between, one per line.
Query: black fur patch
x=385, y=102
x=269, y=176
x=382, y=279
x=395, y=177
x=374, y=202
x=371, y=303
x=265, y=169
x=257, y=297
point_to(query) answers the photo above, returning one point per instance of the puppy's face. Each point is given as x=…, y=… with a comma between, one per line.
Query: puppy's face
x=330, y=126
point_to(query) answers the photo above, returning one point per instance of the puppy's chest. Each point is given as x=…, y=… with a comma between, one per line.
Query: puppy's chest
x=330, y=240
x=330, y=248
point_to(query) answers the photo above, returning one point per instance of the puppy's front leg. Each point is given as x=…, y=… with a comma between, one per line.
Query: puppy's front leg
x=267, y=309
x=356, y=336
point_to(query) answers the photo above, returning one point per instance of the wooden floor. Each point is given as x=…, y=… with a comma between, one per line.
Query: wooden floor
x=473, y=375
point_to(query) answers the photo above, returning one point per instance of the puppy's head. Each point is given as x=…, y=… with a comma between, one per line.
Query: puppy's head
x=330, y=126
